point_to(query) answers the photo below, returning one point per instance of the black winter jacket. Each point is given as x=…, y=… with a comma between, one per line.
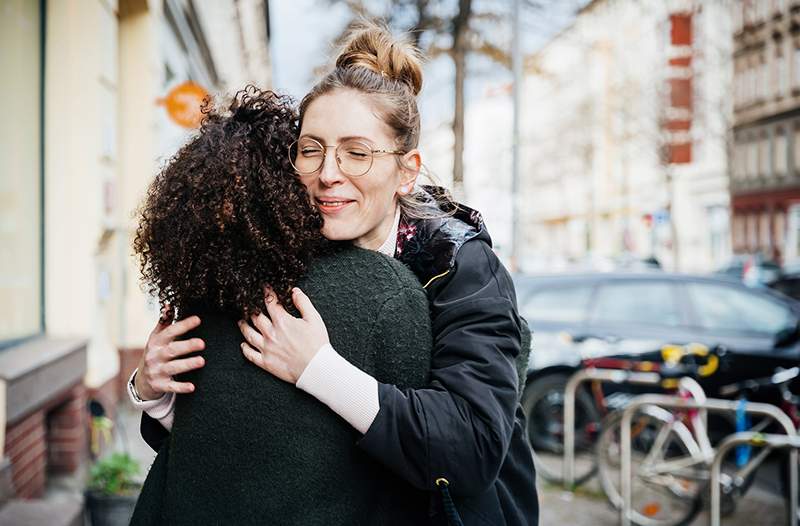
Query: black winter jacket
x=467, y=425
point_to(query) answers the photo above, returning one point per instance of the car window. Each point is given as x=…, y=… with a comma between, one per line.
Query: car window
x=646, y=303
x=727, y=308
x=566, y=303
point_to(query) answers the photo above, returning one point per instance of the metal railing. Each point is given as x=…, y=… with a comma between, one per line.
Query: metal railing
x=677, y=402
x=757, y=440
x=617, y=376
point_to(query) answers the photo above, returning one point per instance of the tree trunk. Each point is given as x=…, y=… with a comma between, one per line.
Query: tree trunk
x=460, y=27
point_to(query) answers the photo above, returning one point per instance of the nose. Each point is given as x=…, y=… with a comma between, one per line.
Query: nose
x=330, y=174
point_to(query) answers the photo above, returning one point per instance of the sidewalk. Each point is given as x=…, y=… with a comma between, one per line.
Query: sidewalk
x=588, y=507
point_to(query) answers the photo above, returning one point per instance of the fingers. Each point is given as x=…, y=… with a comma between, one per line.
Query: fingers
x=164, y=320
x=304, y=305
x=263, y=325
x=179, y=387
x=181, y=347
x=181, y=366
x=275, y=310
x=252, y=336
x=167, y=316
x=180, y=328
x=253, y=356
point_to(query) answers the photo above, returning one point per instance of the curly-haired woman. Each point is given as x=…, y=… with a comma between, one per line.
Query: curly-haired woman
x=224, y=219
x=463, y=433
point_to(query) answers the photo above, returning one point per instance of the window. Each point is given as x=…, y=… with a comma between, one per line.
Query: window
x=765, y=231
x=720, y=307
x=781, y=71
x=763, y=156
x=740, y=161
x=568, y=304
x=791, y=248
x=752, y=159
x=796, y=66
x=781, y=152
x=20, y=166
x=640, y=303
x=796, y=149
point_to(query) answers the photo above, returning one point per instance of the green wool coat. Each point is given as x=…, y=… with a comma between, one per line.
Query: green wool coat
x=247, y=448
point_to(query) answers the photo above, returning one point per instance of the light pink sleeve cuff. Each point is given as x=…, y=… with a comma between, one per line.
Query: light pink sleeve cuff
x=161, y=409
x=347, y=390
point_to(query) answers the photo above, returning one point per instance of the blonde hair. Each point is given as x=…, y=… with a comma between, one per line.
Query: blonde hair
x=388, y=70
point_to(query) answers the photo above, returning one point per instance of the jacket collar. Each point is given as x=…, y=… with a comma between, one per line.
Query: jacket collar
x=429, y=246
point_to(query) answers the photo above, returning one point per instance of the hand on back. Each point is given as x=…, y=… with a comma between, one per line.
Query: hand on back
x=163, y=357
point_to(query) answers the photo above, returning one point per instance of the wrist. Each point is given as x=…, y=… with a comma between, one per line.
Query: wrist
x=142, y=391
x=311, y=357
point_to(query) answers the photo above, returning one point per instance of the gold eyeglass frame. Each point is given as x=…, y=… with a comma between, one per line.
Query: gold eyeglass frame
x=338, y=159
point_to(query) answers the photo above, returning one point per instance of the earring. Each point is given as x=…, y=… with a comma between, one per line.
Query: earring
x=404, y=189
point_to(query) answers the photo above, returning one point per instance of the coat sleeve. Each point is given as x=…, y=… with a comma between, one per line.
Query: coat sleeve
x=152, y=432
x=459, y=426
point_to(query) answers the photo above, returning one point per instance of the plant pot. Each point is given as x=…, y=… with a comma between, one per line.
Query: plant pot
x=110, y=510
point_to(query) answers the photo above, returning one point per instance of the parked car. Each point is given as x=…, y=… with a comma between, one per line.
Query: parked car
x=630, y=315
x=755, y=270
x=788, y=282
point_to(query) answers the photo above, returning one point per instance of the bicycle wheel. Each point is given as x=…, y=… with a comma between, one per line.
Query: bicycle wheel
x=668, y=480
x=543, y=403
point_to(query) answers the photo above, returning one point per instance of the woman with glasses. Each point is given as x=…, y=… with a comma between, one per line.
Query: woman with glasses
x=225, y=218
x=460, y=437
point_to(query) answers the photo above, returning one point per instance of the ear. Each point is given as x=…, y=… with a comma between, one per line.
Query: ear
x=410, y=165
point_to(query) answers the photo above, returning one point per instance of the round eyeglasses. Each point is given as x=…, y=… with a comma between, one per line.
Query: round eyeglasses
x=353, y=157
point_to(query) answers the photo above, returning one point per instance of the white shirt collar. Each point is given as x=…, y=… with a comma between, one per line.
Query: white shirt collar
x=390, y=244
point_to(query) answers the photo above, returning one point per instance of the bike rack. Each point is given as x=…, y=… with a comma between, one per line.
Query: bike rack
x=758, y=440
x=676, y=402
x=617, y=376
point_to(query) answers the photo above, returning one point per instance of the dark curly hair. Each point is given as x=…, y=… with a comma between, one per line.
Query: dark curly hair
x=227, y=215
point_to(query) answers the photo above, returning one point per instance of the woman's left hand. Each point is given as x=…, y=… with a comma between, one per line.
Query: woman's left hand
x=285, y=345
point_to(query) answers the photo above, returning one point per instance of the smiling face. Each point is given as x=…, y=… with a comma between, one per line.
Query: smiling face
x=359, y=209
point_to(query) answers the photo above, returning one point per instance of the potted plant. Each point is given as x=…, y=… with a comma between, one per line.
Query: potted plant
x=112, y=490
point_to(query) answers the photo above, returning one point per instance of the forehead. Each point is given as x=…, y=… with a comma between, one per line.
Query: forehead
x=344, y=113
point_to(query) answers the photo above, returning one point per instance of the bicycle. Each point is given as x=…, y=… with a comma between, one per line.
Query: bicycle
x=544, y=403
x=671, y=457
x=736, y=485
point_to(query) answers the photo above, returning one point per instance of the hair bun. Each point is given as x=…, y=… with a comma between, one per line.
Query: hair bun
x=374, y=47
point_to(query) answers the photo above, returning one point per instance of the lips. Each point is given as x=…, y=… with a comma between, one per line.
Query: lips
x=330, y=205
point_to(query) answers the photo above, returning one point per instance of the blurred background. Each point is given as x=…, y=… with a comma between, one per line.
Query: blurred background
x=597, y=137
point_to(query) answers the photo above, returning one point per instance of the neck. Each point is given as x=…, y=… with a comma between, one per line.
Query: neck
x=384, y=237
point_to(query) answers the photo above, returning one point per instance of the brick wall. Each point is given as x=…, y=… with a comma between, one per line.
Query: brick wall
x=26, y=448
x=67, y=432
x=52, y=438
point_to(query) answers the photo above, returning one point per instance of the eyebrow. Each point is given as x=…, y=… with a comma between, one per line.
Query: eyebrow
x=341, y=139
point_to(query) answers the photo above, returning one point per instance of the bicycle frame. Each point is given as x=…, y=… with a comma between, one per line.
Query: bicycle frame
x=678, y=402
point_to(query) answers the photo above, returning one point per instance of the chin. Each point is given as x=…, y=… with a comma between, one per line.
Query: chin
x=337, y=233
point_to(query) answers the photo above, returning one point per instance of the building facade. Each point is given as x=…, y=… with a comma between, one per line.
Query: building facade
x=87, y=85
x=765, y=175
x=625, y=134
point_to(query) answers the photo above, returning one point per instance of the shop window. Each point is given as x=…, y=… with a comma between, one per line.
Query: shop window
x=21, y=169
